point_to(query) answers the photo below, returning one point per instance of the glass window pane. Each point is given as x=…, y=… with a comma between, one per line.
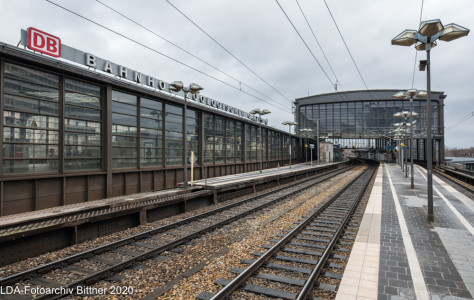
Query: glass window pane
x=118, y=163
x=29, y=120
x=82, y=164
x=29, y=151
x=27, y=74
x=152, y=104
x=173, y=118
x=82, y=113
x=173, y=109
x=20, y=166
x=124, y=119
x=76, y=138
x=124, y=152
x=82, y=87
x=173, y=127
x=30, y=90
x=82, y=126
x=124, y=98
x=124, y=108
x=83, y=100
x=82, y=151
x=123, y=141
x=151, y=114
x=30, y=105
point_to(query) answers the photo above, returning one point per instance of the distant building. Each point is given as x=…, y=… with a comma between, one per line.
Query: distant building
x=326, y=152
x=363, y=120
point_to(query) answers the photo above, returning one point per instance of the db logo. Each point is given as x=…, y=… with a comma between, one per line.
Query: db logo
x=44, y=42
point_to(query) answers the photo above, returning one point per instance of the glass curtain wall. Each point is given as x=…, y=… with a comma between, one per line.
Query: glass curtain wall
x=124, y=130
x=151, y=133
x=239, y=139
x=30, y=121
x=230, y=141
x=173, y=135
x=220, y=142
x=82, y=126
x=193, y=121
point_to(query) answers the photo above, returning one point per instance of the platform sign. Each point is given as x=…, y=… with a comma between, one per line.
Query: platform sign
x=311, y=146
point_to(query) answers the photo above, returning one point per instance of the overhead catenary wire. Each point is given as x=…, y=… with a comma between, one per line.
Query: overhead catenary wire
x=347, y=47
x=316, y=39
x=240, y=82
x=162, y=54
x=321, y=48
x=460, y=120
x=226, y=50
x=304, y=42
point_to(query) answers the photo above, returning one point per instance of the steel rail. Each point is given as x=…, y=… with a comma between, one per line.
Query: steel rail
x=309, y=284
x=249, y=271
x=464, y=185
x=101, y=249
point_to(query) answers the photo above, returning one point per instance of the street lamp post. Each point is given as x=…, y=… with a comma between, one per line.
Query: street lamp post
x=306, y=133
x=398, y=135
x=289, y=123
x=193, y=88
x=260, y=113
x=411, y=95
x=425, y=39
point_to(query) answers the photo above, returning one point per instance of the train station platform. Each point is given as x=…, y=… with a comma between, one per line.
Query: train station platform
x=399, y=254
x=241, y=180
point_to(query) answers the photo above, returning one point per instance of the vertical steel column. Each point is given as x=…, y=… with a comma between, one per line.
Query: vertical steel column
x=185, y=135
x=317, y=140
x=412, y=185
x=107, y=140
x=429, y=145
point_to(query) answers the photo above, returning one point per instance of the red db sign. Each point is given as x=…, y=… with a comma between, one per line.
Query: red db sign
x=44, y=42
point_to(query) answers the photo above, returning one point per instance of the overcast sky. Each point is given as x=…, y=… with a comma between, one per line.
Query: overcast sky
x=260, y=36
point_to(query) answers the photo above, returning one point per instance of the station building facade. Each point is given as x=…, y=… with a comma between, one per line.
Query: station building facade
x=72, y=134
x=364, y=121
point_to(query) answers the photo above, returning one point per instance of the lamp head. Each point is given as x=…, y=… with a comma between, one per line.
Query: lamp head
x=255, y=111
x=430, y=27
x=176, y=86
x=422, y=46
x=265, y=112
x=194, y=88
x=406, y=38
x=411, y=92
x=399, y=95
x=421, y=94
x=453, y=31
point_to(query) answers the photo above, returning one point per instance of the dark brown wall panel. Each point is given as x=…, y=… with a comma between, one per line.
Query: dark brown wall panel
x=147, y=182
x=117, y=184
x=49, y=193
x=97, y=187
x=132, y=183
x=18, y=196
x=76, y=190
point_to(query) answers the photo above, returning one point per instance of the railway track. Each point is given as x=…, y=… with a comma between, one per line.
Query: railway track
x=102, y=262
x=460, y=183
x=292, y=267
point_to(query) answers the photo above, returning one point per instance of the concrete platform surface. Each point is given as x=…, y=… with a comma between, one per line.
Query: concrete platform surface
x=399, y=254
